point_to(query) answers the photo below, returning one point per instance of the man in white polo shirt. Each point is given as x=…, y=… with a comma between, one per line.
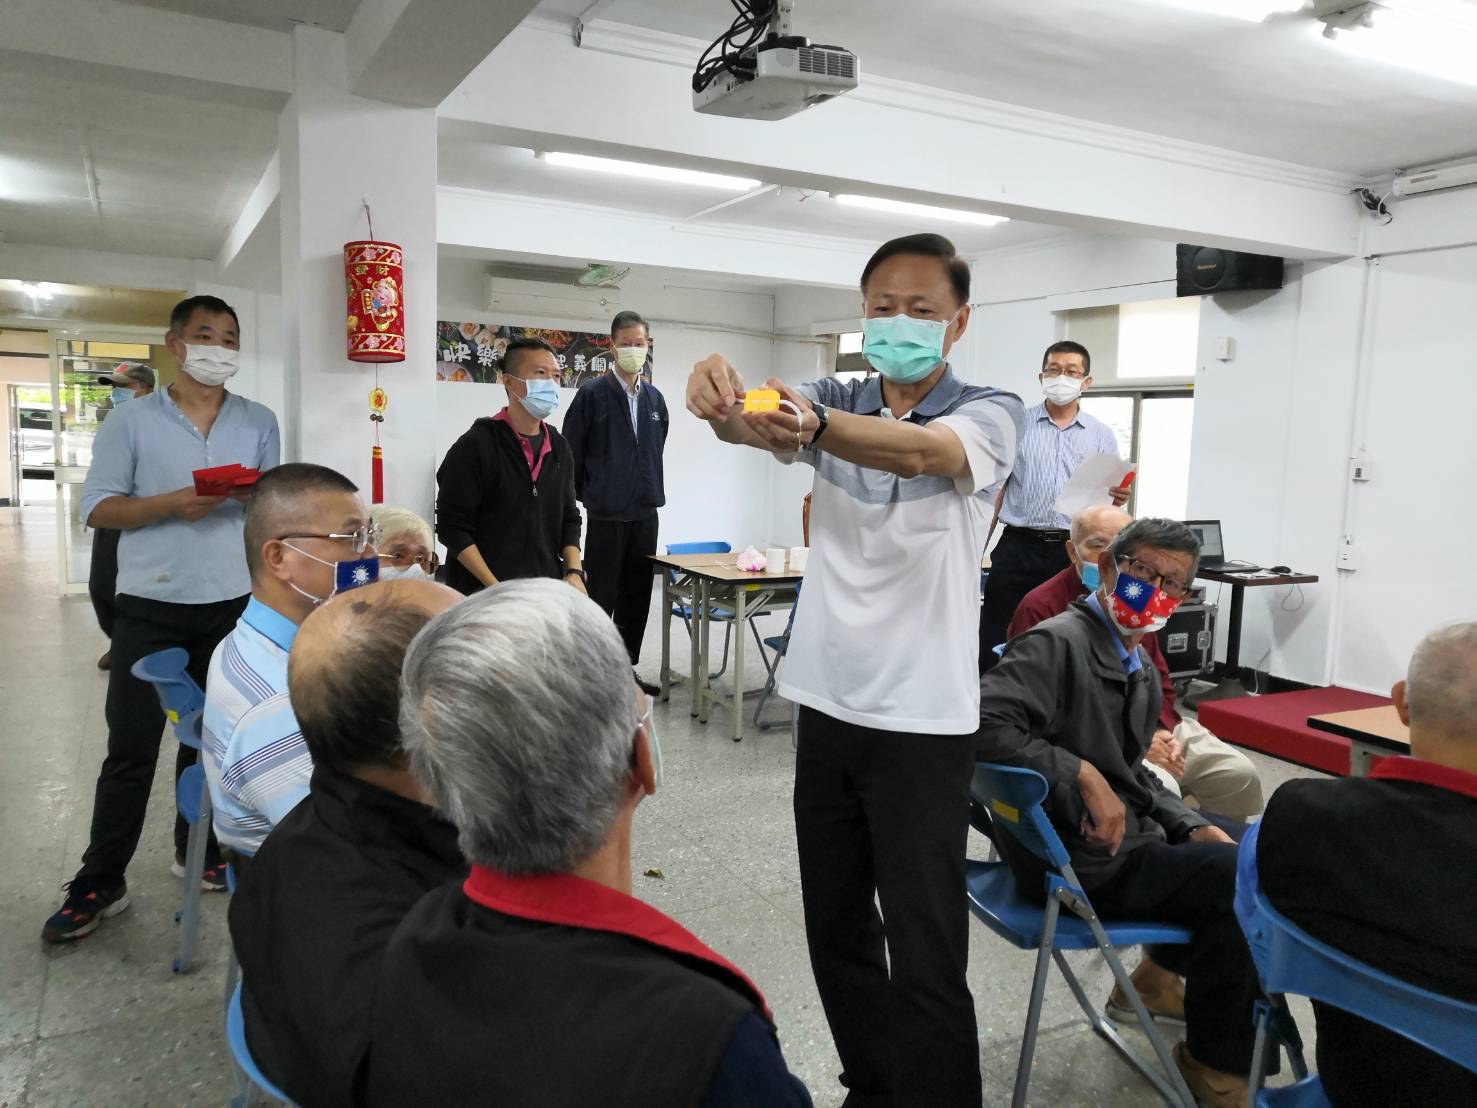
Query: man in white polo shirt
x=882, y=661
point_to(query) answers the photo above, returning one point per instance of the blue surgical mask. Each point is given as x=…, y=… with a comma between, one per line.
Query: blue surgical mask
x=121, y=395
x=542, y=398
x=902, y=348
x=1091, y=578
x=347, y=575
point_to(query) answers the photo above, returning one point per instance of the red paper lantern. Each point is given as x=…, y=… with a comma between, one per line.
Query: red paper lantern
x=376, y=316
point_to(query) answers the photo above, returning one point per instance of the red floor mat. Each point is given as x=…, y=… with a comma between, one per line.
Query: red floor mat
x=1277, y=724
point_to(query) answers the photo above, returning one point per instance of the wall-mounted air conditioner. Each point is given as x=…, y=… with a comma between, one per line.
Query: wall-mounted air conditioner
x=1441, y=177
x=504, y=294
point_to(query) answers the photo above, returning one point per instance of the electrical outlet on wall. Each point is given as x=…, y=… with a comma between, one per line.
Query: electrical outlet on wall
x=1359, y=467
x=1348, y=555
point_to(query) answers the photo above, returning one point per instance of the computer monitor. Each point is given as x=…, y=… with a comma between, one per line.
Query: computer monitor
x=1208, y=531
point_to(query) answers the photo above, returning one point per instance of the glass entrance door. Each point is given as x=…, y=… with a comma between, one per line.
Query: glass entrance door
x=79, y=406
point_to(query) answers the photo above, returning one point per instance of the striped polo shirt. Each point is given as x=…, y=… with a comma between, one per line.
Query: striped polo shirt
x=256, y=762
x=886, y=633
x=1048, y=456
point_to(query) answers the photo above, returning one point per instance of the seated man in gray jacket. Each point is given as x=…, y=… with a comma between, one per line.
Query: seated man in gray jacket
x=1076, y=699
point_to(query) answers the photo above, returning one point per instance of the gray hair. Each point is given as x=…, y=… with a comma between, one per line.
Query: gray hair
x=1441, y=686
x=518, y=711
x=397, y=521
x=1160, y=534
x=1084, y=520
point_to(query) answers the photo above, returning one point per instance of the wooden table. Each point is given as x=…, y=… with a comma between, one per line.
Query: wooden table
x=1372, y=733
x=1240, y=582
x=706, y=582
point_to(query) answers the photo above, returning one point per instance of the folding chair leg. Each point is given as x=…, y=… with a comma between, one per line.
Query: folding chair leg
x=1033, y=1010
x=722, y=669
x=189, y=918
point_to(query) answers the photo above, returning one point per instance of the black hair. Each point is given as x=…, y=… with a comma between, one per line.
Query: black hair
x=275, y=502
x=1161, y=534
x=179, y=317
x=629, y=319
x=1067, y=346
x=347, y=703
x=523, y=344
x=925, y=246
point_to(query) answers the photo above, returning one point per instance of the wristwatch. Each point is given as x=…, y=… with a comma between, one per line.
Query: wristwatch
x=823, y=414
x=579, y=573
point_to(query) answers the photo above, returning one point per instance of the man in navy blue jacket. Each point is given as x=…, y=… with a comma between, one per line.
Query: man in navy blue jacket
x=617, y=428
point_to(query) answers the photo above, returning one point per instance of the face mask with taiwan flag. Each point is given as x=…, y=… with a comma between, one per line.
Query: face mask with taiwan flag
x=1137, y=607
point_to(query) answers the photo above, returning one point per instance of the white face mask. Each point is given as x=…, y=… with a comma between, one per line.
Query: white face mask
x=1063, y=389
x=631, y=359
x=211, y=365
x=395, y=573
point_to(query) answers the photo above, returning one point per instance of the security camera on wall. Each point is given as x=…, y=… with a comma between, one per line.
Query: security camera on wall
x=759, y=69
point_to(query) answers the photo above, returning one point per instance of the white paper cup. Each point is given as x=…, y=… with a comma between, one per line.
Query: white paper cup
x=774, y=559
x=798, y=557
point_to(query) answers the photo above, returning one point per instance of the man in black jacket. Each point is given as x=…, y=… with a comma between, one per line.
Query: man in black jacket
x=1384, y=868
x=318, y=903
x=617, y=428
x=505, y=492
x=1077, y=699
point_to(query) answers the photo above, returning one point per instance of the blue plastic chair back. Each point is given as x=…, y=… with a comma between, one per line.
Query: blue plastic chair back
x=167, y=671
x=1289, y=960
x=236, y=1038
x=1012, y=796
x=695, y=548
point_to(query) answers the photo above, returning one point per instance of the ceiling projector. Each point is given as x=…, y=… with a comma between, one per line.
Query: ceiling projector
x=758, y=69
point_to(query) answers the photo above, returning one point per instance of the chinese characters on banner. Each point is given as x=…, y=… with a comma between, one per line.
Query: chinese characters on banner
x=474, y=352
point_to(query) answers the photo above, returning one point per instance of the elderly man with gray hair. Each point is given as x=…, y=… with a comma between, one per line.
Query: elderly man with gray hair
x=1384, y=868
x=541, y=979
x=1076, y=699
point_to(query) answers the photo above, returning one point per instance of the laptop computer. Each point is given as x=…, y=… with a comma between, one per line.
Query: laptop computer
x=1212, y=552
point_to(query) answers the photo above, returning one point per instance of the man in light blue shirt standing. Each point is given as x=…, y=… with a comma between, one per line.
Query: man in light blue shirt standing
x=1058, y=436
x=303, y=522
x=182, y=579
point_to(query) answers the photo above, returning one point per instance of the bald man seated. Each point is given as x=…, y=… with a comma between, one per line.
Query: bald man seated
x=314, y=911
x=1384, y=868
x=1189, y=759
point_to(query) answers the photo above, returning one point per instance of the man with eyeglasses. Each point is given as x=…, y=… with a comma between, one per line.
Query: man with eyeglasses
x=407, y=547
x=307, y=537
x=1058, y=436
x=1077, y=699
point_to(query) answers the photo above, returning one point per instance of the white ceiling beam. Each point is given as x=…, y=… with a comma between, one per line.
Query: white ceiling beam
x=263, y=196
x=164, y=44
x=900, y=140
x=415, y=52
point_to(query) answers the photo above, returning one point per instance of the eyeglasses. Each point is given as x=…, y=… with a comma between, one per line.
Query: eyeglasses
x=367, y=535
x=401, y=556
x=1057, y=371
x=1172, y=588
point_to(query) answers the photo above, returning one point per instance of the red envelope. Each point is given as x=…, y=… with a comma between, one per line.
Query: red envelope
x=222, y=480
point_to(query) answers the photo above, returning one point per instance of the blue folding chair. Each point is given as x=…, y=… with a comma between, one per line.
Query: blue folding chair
x=256, y=1081
x=1289, y=960
x=778, y=645
x=184, y=705
x=1012, y=797
x=718, y=615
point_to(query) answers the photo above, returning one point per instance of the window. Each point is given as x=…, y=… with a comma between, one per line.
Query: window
x=1153, y=427
x=1142, y=341
x=850, y=365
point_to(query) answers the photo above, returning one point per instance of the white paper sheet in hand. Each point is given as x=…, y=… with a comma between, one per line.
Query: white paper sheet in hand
x=1088, y=485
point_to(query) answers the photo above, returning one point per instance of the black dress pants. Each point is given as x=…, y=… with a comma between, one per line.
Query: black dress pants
x=1194, y=885
x=1019, y=563
x=884, y=815
x=102, y=575
x=136, y=724
x=619, y=574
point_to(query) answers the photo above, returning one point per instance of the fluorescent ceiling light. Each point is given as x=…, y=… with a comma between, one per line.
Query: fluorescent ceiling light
x=666, y=173
x=1252, y=10
x=1411, y=39
x=919, y=211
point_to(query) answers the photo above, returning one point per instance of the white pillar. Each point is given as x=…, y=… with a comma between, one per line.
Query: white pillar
x=338, y=150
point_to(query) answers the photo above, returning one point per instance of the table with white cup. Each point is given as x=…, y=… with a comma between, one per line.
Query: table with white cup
x=706, y=582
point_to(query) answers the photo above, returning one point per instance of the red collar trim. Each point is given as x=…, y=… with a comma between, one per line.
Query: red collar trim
x=578, y=902
x=545, y=446
x=1401, y=768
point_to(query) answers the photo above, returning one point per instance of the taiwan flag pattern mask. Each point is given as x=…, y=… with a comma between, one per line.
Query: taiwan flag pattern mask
x=1138, y=607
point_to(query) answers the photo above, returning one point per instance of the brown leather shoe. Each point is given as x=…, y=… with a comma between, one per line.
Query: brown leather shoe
x=106, y=661
x=1215, y=1088
x=1166, y=1005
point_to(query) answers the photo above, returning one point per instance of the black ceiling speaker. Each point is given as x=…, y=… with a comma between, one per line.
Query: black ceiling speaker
x=1200, y=270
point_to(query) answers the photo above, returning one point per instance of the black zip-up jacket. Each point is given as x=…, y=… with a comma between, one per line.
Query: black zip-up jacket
x=486, y=497
x=618, y=473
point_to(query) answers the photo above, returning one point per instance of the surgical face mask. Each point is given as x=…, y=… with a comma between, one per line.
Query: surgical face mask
x=1063, y=389
x=121, y=395
x=631, y=359
x=540, y=398
x=346, y=575
x=1137, y=607
x=399, y=573
x=655, y=745
x=211, y=365
x=1091, y=577
x=902, y=348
